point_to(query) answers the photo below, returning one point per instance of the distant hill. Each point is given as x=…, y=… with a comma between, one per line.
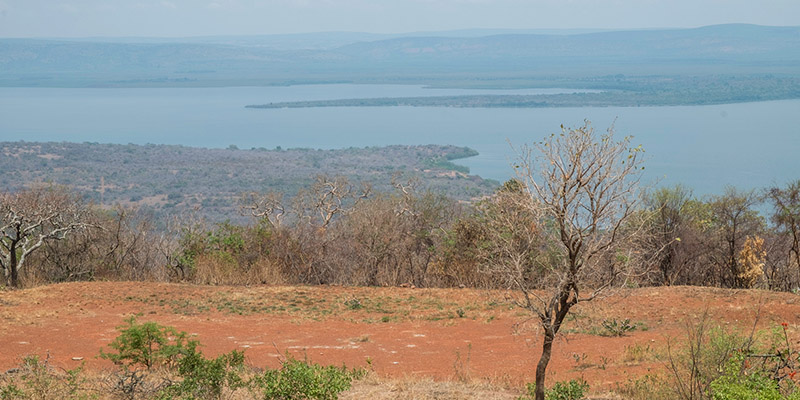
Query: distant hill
x=321, y=40
x=170, y=179
x=740, y=43
x=354, y=57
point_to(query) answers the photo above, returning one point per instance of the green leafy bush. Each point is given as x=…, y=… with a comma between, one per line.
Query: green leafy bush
x=205, y=378
x=301, y=380
x=147, y=344
x=733, y=384
x=765, y=374
x=571, y=390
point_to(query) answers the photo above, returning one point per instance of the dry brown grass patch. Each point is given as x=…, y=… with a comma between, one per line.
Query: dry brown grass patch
x=373, y=387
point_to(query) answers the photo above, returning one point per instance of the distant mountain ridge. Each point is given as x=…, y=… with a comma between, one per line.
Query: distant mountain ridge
x=706, y=42
x=708, y=50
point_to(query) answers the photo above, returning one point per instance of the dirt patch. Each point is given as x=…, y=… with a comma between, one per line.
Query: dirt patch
x=439, y=334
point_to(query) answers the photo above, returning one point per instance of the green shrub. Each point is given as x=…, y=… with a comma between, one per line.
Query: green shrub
x=10, y=391
x=766, y=376
x=719, y=364
x=571, y=390
x=36, y=379
x=205, y=378
x=301, y=380
x=737, y=383
x=701, y=358
x=734, y=387
x=617, y=328
x=147, y=344
x=193, y=376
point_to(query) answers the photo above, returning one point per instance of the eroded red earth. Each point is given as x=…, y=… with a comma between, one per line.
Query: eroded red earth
x=398, y=332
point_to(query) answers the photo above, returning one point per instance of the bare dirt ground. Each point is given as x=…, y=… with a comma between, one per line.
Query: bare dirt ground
x=400, y=333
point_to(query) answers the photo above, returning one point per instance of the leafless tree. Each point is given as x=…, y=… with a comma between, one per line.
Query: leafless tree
x=584, y=188
x=121, y=245
x=329, y=197
x=267, y=206
x=31, y=217
x=407, y=191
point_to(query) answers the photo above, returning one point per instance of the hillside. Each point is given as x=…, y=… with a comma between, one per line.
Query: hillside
x=170, y=179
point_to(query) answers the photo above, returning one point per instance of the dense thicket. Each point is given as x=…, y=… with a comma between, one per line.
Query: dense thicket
x=335, y=232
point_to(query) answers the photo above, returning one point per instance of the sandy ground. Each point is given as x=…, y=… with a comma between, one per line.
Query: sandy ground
x=444, y=334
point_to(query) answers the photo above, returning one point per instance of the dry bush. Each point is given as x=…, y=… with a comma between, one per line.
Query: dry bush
x=648, y=387
x=120, y=244
x=222, y=269
x=383, y=240
x=29, y=219
x=780, y=270
x=218, y=269
x=751, y=262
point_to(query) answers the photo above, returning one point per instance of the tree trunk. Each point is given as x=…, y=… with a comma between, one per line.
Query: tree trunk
x=541, y=368
x=12, y=265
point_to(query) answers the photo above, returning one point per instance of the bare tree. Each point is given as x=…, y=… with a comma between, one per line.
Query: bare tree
x=121, y=245
x=31, y=217
x=329, y=197
x=266, y=206
x=584, y=188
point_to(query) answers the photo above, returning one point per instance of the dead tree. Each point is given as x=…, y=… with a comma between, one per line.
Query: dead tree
x=329, y=197
x=266, y=206
x=584, y=188
x=31, y=217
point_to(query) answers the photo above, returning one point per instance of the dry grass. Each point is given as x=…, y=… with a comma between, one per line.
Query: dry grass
x=373, y=387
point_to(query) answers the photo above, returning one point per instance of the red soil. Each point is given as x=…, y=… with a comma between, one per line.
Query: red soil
x=399, y=331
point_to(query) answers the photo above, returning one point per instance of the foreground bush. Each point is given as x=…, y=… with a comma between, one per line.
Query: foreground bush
x=148, y=345
x=35, y=378
x=572, y=390
x=718, y=364
x=736, y=384
x=301, y=380
x=159, y=362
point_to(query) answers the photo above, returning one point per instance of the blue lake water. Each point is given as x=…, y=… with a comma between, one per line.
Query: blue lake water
x=750, y=145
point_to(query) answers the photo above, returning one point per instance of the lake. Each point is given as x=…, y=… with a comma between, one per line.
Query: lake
x=750, y=145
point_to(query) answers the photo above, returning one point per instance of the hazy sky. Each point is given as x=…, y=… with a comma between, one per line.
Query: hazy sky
x=78, y=18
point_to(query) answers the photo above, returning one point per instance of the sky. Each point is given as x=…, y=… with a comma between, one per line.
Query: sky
x=182, y=18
